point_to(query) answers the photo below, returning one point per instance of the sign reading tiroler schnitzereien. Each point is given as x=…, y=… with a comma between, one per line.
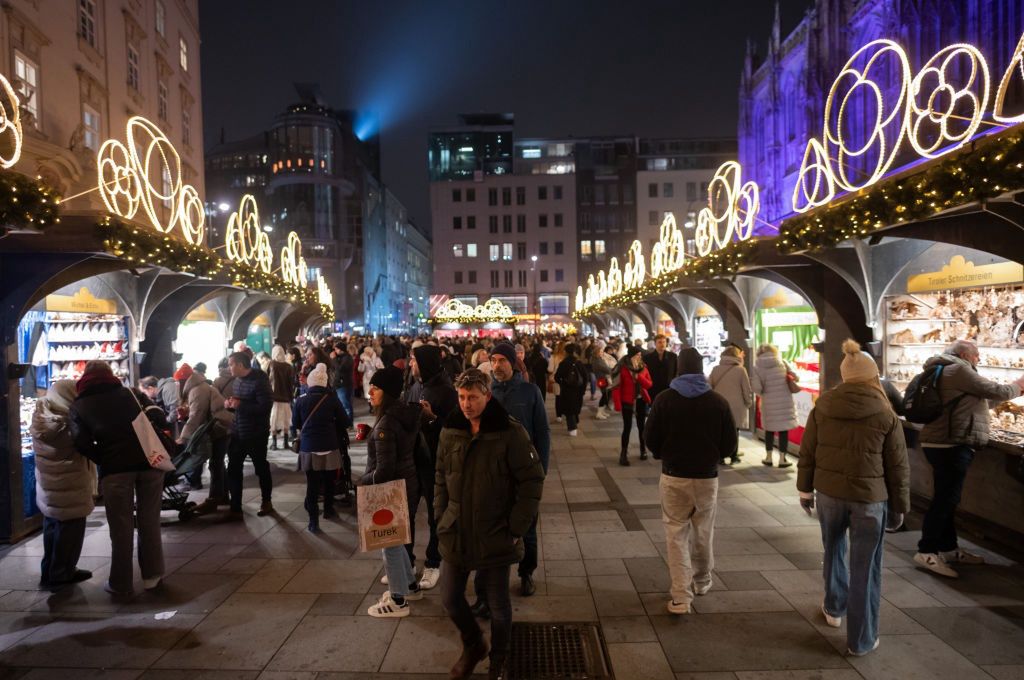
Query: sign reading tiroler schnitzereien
x=962, y=273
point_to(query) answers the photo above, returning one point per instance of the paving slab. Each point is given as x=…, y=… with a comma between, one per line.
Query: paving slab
x=915, y=657
x=336, y=643
x=424, y=645
x=991, y=636
x=640, y=660
x=334, y=576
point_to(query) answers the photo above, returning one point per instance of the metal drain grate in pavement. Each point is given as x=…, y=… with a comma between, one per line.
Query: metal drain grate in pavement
x=567, y=651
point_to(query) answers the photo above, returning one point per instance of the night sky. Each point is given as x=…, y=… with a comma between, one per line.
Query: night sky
x=653, y=68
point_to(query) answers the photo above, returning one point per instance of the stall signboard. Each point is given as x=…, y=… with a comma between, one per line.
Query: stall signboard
x=82, y=302
x=202, y=313
x=962, y=273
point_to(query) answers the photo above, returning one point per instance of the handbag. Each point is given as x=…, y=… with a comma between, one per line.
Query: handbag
x=151, y=443
x=791, y=382
x=297, y=442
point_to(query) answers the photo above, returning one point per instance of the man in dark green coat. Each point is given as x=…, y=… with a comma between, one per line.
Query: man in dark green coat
x=488, y=486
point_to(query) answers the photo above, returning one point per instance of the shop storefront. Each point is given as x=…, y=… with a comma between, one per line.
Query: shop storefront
x=202, y=337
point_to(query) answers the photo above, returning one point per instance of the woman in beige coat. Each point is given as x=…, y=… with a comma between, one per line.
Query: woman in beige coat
x=729, y=378
x=64, y=483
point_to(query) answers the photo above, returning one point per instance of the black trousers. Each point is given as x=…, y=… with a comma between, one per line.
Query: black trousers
x=426, y=493
x=62, y=546
x=949, y=469
x=315, y=480
x=255, y=447
x=491, y=585
x=769, y=441
x=628, y=411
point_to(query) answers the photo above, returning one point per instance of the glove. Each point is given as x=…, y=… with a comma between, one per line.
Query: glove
x=894, y=521
x=807, y=502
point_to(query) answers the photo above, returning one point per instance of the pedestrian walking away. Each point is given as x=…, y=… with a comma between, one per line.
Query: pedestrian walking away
x=729, y=378
x=571, y=377
x=773, y=382
x=689, y=430
x=853, y=468
x=322, y=426
x=489, y=484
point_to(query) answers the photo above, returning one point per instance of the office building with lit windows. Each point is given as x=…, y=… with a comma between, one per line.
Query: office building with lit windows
x=605, y=199
x=507, y=236
x=480, y=145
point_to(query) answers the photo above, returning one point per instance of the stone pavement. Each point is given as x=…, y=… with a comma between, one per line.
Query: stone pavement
x=265, y=599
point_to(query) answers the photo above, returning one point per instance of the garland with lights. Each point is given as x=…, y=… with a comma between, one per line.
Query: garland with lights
x=161, y=250
x=992, y=168
x=25, y=204
x=719, y=263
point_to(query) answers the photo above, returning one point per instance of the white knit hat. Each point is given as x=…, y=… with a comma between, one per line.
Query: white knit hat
x=857, y=366
x=317, y=377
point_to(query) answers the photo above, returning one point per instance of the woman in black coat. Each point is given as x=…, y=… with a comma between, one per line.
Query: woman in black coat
x=323, y=443
x=572, y=380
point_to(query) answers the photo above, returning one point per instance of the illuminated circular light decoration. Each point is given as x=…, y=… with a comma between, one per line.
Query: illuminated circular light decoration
x=940, y=115
x=877, y=52
x=324, y=295
x=146, y=172
x=1016, y=68
x=732, y=209
x=293, y=265
x=939, y=110
x=455, y=310
x=245, y=240
x=10, y=124
x=669, y=252
x=635, y=271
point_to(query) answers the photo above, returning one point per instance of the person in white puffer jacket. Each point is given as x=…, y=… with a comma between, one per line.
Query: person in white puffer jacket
x=778, y=410
x=64, y=486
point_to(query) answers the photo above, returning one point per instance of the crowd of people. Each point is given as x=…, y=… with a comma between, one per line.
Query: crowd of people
x=464, y=424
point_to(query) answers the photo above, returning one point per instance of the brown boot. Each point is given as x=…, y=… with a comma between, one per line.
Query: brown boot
x=471, y=656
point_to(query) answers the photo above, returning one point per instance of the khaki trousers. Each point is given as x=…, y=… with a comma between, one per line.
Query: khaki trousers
x=688, y=512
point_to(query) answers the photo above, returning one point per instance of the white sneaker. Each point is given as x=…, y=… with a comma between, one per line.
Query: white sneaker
x=574, y=433
x=384, y=580
x=387, y=609
x=601, y=414
x=678, y=607
x=560, y=419
x=702, y=589
x=873, y=648
x=933, y=562
x=429, y=579
x=962, y=556
x=151, y=583
x=834, y=621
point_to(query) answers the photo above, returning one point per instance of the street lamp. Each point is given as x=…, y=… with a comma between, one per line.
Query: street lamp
x=536, y=313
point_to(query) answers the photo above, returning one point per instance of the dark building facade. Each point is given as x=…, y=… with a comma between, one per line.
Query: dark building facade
x=606, y=170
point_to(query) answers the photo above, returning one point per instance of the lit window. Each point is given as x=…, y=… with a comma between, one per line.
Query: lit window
x=495, y=252
x=186, y=127
x=87, y=21
x=133, y=67
x=457, y=250
x=91, y=123
x=161, y=19
x=470, y=250
x=183, y=53
x=599, y=252
x=27, y=84
x=506, y=251
x=161, y=100
x=585, y=250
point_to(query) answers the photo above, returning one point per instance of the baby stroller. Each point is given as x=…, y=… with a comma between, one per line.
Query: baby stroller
x=189, y=459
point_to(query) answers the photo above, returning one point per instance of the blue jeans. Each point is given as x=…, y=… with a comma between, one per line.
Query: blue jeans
x=949, y=469
x=399, y=570
x=855, y=592
x=345, y=397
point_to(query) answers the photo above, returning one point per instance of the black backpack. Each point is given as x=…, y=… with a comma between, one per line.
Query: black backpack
x=574, y=377
x=922, y=401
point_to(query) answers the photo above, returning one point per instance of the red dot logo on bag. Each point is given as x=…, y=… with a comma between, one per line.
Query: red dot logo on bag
x=383, y=517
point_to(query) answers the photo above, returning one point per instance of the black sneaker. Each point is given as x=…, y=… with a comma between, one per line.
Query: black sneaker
x=527, y=586
x=481, y=610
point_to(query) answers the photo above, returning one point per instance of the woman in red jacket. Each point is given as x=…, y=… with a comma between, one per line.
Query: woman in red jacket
x=630, y=396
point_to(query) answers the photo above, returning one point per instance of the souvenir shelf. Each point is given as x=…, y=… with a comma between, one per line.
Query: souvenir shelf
x=75, y=339
x=921, y=325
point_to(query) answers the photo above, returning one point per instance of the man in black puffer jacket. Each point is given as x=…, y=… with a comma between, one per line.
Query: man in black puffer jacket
x=690, y=428
x=251, y=402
